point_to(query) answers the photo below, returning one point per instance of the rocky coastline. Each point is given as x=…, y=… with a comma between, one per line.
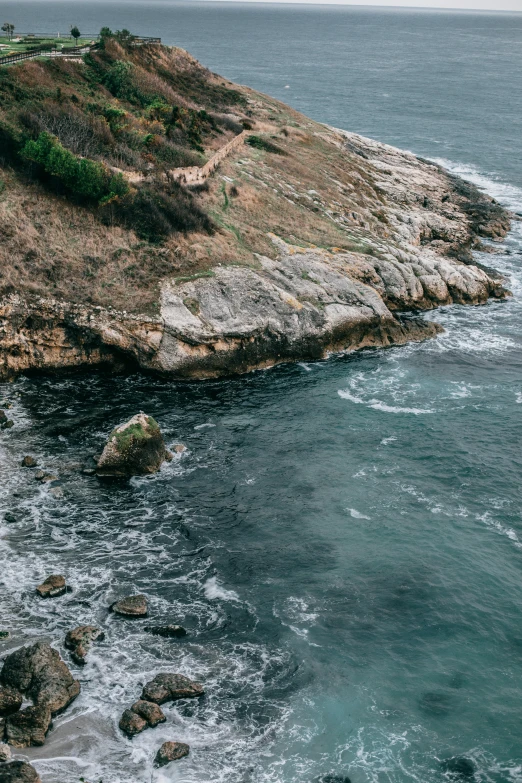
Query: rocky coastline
x=298, y=303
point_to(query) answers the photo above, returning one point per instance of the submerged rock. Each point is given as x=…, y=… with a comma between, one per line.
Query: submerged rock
x=171, y=751
x=80, y=640
x=132, y=606
x=170, y=687
x=18, y=772
x=10, y=700
x=436, y=703
x=459, y=768
x=168, y=631
x=333, y=778
x=135, y=448
x=29, y=726
x=39, y=672
x=52, y=587
x=10, y=517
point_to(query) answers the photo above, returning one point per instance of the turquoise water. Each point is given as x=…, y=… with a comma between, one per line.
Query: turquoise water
x=342, y=539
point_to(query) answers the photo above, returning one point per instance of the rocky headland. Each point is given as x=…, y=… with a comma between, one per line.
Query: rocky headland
x=320, y=240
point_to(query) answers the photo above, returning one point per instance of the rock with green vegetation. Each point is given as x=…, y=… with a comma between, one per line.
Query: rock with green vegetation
x=135, y=448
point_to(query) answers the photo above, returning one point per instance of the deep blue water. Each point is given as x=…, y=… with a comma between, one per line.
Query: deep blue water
x=343, y=540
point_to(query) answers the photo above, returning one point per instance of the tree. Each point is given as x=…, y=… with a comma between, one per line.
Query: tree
x=8, y=29
x=75, y=33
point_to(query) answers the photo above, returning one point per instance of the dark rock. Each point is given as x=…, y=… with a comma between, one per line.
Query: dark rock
x=168, y=631
x=53, y=586
x=29, y=726
x=149, y=711
x=18, y=772
x=171, y=751
x=10, y=700
x=39, y=672
x=170, y=687
x=5, y=423
x=135, y=448
x=10, y=517
x=5, y=753
x=132, y=606
x=29, y=462
x=459, y=768
x=131, y=723
x=4, y=635
x=80, y=640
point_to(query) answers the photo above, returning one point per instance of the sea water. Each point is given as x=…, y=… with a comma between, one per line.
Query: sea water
x=341, y=539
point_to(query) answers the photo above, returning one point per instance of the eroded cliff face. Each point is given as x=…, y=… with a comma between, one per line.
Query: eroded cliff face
x=295, y=301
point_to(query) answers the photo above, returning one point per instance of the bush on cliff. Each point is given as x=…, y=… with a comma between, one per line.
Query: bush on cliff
x=83, y=177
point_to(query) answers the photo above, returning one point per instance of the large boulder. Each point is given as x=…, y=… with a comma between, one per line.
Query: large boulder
x=80, y=640
x=29, y=726
x=171, y=687
x=142, y=715
x=18, y=772
x=52, y=587
x=135, y=448
x=39, y=672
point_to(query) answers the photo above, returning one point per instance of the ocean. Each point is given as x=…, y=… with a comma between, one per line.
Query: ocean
x=341, y=539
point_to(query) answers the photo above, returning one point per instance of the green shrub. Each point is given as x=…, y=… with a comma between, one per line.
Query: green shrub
x=83, y=177
x=263, y=144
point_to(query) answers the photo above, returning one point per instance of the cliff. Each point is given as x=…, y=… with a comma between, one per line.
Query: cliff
x=303, y=240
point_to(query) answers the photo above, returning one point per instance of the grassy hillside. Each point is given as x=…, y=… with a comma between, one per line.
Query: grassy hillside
x=73, y=227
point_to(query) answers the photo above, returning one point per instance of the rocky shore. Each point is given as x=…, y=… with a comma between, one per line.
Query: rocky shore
x=299, y=301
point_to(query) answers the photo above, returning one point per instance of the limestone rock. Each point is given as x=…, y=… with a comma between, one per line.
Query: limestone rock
x=29, y=726
x=80, y=640
x=171, y=751
x=131, y=723
x=52, y=587
x=5, y=753
x=135, y=448
x=132, y=606
x=10, y=700
x=18, y=772
x=167, y=631
x=170, y=687
x=39, y=672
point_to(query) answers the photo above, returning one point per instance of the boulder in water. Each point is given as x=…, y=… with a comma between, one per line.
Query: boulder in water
x=131, y=723
x=29, y=462
x=132, y=606
x=39, y=672
x=331, y=777
x=18, y=772
x=80, y=640
x=53, y=586
x=171, y=687
x=135, y=448
x=171, y=751
x=10, y=700
x=29, y=726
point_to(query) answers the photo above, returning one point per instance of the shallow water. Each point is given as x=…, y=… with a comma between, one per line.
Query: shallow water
x=342, y=540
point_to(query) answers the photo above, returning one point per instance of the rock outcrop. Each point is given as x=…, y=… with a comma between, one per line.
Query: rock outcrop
x=38, y=672
x=52, y=587
x=135, y=448
x=171, y=687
